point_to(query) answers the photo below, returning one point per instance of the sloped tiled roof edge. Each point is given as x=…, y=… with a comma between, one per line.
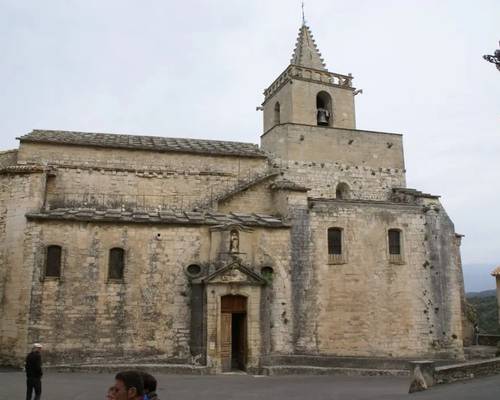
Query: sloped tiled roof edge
x=157, y=217
x=22, y=169
x=151, y=143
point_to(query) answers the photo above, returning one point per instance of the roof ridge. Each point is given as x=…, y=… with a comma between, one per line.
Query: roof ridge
x=129, y=136
x=142, y=142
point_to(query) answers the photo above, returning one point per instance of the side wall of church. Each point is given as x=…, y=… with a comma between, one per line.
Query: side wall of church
x=85, y=316
x=18, y=194
x=114, y=178
x=368, y=306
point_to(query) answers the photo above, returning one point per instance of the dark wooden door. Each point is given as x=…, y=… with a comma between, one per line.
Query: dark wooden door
x=225, y=351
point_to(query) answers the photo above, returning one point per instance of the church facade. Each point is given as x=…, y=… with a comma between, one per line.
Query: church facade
x=224, y=254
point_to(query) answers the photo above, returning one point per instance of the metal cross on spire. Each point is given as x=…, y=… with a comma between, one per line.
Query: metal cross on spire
x=303, y=15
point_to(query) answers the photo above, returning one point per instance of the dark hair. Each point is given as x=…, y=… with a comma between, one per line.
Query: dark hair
x=149, y=382
x=131, y=379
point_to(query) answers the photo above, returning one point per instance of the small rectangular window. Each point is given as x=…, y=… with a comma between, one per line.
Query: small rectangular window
x=335, y=251
x=53, y=262
x=394, y=242
x=334, y=241
x=395, y=246
x=116, y=263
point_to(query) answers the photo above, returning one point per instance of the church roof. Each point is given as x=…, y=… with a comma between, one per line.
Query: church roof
x=306, y=53
x=158, y=217
x=152, y=143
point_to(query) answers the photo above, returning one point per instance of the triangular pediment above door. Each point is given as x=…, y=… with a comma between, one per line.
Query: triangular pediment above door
x=235, y=272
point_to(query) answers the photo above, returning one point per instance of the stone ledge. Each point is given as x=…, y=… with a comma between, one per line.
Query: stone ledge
x=425, y=374
x=376, y=363
x=468, y=370
x=310, y=370
x=179, y=369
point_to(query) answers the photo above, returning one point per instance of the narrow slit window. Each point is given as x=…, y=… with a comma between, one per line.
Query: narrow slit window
x=116, y=263
x=394, y=242
x=277, y=117
x=53, y=262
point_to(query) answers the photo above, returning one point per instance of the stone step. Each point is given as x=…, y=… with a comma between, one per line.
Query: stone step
x=277, y=370
x=377, y=363
x=178, y=369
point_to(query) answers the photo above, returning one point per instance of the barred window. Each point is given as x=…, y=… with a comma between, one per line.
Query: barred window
x=394, y=242
x=116, y=263
x=53, y=262
x=334, y=241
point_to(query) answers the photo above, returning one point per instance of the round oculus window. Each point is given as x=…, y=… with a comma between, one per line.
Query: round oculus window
x=193, y=270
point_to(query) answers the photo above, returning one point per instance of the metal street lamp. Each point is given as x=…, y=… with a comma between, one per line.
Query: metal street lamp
x=495, y=58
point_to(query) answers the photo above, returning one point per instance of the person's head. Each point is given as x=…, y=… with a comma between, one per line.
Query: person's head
x=37, y=347
x=128, y=385
x=149, y=382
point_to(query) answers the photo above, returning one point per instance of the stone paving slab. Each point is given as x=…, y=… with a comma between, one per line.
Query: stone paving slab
x=85, y=386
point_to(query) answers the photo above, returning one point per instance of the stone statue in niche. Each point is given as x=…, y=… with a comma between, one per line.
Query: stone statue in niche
x=323, y=116
x=234, y=242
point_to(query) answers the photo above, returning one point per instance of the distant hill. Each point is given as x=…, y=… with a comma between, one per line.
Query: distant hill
x=486, y=306
x=484, y=293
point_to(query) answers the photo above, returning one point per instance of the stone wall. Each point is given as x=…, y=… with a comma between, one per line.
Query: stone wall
x=103, y=157
x=296, y=142
x=256, y=199
x=321, y=158
x=84, y=316
x=112, y=178
x=19, y=193
x=8, y=158
x=363, y=183
x=368, y=306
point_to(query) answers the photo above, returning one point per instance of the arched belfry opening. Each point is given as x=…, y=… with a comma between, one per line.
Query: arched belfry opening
x=342, y=191
x=324, y=109
x=277, y=116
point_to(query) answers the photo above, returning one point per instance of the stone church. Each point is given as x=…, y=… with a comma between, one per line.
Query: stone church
x=228, y=255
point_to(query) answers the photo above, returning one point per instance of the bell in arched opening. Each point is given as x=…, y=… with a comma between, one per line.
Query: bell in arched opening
x=323, y=108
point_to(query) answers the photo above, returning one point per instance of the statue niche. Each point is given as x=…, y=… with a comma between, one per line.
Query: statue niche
x=234, y=241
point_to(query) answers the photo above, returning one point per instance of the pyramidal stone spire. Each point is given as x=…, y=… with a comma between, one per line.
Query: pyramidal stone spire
x=306, y=54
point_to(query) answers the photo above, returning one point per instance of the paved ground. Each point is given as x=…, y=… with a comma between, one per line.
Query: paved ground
x=90, y=386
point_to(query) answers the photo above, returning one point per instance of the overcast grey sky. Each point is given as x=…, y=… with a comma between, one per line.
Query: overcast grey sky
x=198, y=68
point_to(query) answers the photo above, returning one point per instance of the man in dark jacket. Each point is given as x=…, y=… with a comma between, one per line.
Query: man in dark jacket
x=34, y=372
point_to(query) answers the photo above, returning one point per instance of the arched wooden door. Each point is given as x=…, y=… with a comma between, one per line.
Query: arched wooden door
x=233, y=332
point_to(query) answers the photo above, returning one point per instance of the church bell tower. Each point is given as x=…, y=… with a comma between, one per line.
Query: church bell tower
x=307, y=93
